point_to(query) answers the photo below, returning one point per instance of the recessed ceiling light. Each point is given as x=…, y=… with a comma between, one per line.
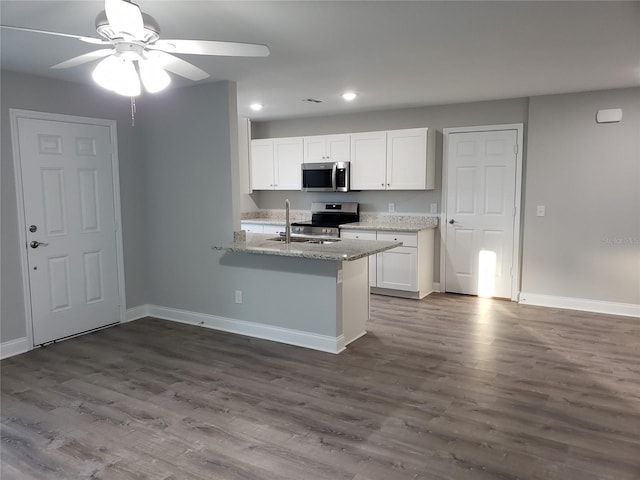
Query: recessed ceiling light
x=256, y=107
x=348, y=96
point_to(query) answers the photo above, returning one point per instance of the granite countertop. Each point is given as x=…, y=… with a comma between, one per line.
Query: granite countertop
x=275, y=217
x=342, y=250
x=393, y=222
x=264, y=221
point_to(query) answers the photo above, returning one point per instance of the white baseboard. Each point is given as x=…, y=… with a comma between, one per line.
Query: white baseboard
x=136, y=313
x=598, y=306
x=436, y=287
x=14, y=347
x=289, y=336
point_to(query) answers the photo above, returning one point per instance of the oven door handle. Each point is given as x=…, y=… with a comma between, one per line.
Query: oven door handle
x=334, y=174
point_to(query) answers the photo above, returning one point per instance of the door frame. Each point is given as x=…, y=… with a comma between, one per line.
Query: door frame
x=16, y=114
x=517, y=218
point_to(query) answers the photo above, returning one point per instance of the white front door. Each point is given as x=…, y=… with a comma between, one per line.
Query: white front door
x=480, y=212
x=71, y=226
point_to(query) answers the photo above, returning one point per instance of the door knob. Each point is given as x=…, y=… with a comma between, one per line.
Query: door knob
x=36, y=244
x=452, y=221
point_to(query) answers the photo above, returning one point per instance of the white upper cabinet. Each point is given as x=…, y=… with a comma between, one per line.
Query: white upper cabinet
x=368, y=160
x=388, y=160
x=393, y=160
x=327, y=148
x=275, y=163
x=262, y=176
x=287, y=161
x=407, y=162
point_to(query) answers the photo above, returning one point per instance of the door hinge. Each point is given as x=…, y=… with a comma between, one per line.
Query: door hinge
x=515, y=149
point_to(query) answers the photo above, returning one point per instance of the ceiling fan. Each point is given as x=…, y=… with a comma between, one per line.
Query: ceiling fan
x=133, y=38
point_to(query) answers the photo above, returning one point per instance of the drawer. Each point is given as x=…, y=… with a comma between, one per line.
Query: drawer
x=252, y=227
x=407, y=239
x=358, y=234
x=273, y=228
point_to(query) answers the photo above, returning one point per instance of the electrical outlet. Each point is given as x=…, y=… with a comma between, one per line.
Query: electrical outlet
x=392, y=207
x=238, y=296
x=434, y=208
x=540, y=211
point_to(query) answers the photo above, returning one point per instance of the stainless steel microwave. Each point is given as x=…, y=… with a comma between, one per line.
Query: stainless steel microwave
x=325, y=177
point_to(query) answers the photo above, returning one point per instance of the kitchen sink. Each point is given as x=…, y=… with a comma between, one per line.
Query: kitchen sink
x=323, y=241
x=293, y=239
x=318, y=241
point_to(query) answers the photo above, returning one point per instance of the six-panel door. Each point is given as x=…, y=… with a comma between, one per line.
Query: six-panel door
x=67, y=178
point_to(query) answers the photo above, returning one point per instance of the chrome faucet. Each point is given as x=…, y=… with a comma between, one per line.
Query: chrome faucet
x=287, y=226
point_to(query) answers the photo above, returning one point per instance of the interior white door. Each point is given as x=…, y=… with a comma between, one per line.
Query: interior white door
x=481, y=186
x=70, y=214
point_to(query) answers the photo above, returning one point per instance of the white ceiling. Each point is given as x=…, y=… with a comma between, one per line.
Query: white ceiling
x=394, y=53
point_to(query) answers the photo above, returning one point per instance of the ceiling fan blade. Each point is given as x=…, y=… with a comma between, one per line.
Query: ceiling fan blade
x=178, y=66
x=96, y=41
x=209, y=47
x=87, y=57
x=125, y=17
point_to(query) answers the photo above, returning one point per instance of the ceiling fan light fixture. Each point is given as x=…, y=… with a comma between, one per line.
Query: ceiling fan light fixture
x=153, y=76
x=129, y=82
x=118, y=75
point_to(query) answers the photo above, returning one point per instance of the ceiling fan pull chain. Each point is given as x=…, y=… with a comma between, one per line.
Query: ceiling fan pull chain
x=133, y=111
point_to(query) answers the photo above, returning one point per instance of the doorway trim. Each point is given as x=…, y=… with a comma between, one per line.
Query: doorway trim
x=517, y=225
x=16, y=114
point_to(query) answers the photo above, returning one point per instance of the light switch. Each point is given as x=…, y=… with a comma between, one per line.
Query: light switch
x=540, y=211
x=392, y=207
x=434, y=208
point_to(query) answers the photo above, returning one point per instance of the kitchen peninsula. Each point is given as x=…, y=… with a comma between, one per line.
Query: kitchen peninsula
x=316, y=291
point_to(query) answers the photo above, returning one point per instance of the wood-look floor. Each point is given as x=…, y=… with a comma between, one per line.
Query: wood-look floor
x=450, y=387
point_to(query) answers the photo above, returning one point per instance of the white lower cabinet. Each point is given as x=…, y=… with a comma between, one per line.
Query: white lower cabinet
x=261, y=227
x=274, y=228
x=396, y=269
x=405, y=271
x=373, y=259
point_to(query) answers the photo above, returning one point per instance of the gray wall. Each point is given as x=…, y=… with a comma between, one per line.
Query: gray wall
x=588, y=177
x=187, y=151
x=45, y=95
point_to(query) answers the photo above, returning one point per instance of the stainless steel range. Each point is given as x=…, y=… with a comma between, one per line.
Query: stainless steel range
x=325, y=218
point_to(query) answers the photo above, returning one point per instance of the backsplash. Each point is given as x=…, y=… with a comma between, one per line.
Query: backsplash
x=398, y=218
x=277, y=215
x=365, y=217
